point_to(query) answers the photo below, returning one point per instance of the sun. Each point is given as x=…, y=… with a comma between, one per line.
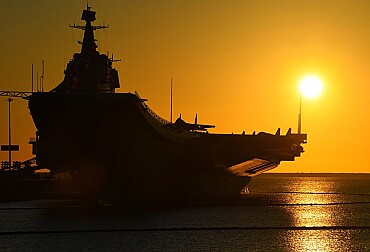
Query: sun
x=311, y=86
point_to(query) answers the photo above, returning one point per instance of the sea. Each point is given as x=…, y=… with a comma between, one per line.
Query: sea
x=282, y=212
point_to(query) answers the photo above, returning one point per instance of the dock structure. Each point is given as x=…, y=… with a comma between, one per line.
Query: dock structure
x=11, y=168
x=18, y=168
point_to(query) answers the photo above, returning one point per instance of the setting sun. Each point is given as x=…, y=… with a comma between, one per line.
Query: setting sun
x=311, y=86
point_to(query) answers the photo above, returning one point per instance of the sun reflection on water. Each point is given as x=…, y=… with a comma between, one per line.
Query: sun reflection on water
x=312, y=201
x=313, y=217
x=318, y=240
x=312, y=198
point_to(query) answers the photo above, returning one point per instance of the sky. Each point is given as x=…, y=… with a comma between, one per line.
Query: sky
x=236, y=63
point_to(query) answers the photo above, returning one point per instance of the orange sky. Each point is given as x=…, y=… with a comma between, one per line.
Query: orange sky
x=236, y=63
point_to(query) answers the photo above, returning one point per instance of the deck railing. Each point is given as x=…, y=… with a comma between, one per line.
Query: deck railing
x=152, y=113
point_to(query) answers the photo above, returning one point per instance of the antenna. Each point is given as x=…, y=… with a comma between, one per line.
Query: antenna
x=42, y=77
x=32, y=80
x=37, y=80
x=171, y=103
x=112, y=59
x=300, y=115
x=106, y=38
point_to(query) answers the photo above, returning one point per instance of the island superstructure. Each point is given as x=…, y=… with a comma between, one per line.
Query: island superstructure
x=118, y=148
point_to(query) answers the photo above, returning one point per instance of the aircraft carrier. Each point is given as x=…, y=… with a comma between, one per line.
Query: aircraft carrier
x=119, y=149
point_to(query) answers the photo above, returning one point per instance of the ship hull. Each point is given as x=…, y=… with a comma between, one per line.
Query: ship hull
x=117, y=149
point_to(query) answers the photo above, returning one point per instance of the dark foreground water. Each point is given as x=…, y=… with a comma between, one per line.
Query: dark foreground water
x=282, y=213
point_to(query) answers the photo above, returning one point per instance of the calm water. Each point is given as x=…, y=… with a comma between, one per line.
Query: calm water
x=282, y=213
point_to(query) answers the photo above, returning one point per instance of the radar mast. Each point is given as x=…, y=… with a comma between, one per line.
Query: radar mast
x=88, y=43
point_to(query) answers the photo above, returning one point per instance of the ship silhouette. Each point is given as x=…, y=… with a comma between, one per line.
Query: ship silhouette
x=119, y=149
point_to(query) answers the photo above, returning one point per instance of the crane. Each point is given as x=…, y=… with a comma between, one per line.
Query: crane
x=18, y=94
